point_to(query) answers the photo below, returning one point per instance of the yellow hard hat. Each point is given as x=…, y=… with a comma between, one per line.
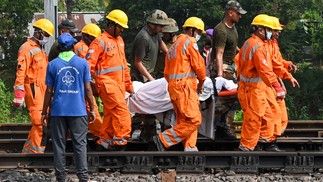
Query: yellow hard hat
x=194, y=22
x=277, y=25
x=118, y=17
x=92, y=29
x=45, y=25
x=263, y=20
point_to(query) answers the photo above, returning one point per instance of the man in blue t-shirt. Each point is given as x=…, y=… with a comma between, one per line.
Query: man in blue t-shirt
x=68, y=83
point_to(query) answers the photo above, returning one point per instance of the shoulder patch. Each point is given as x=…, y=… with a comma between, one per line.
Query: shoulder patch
x=88, y=56
x=265, y=62
x=196, y=47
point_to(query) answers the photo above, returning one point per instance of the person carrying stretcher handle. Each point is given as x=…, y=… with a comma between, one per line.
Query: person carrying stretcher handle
x=183, y=64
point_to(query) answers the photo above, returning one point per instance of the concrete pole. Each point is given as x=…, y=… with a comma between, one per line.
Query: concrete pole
x=51, y=9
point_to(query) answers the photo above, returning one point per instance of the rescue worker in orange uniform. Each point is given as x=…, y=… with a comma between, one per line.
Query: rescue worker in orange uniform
x=108, y=64
x=183, y=64
x=89, y=33
x=256, y=76
x=280, y=68
x=30, y=87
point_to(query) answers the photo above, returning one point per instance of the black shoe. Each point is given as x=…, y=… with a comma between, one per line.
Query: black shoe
x=225, y=133
x=118, y=148
x=158, y=143
x=272, y=147
x=259, y=146
x=99, y=148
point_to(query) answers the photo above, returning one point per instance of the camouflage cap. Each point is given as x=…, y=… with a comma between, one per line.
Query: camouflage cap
x=235, y=5
x=172, y=27
x=158, y=17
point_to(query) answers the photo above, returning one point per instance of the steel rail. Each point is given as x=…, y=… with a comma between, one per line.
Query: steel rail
x=182, y=162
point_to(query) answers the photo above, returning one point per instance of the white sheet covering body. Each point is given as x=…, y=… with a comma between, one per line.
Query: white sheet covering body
x=153, y=98
x=150, y=98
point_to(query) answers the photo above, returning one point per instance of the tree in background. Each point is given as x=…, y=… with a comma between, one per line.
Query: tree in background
x=14, y=19
x=301, y=39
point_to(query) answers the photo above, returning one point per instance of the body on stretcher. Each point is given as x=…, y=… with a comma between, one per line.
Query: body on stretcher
x=153, y=98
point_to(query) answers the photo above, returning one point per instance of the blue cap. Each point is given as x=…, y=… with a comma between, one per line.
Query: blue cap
x=209, y=31
x=66, y=40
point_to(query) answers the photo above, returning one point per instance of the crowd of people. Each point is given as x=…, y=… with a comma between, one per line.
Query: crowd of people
x=61, y=88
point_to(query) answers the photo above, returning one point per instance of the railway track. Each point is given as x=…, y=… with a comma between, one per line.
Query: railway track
x=303, y=145
x=188, y=162
x=296, y=128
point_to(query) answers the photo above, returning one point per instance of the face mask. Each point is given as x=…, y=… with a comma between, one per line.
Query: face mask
x=268, y=35
x=44, y=41
x=197, y=37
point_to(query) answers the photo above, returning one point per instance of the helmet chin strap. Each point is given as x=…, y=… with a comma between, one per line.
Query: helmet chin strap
x=266, y=34
x=193, y=31
x=115, y=31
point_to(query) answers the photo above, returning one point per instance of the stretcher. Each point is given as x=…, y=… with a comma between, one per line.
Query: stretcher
x=153, y=98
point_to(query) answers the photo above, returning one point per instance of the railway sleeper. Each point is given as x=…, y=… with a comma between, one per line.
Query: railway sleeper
x=181, y=162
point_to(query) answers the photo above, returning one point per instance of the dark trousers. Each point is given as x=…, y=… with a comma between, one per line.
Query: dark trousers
x=78, y=127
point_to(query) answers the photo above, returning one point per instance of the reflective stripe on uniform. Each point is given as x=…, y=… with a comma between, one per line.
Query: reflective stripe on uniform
x=191, y=149
x=169, y=142
x=106, y=143
x=172, y=131
x=21, y=87
x=79, y=50
x=103, y=45
x=180, y=76
x=252, y=52
x=119, y=141
x=263, y=140
x=252, y=80
x=108, y=70
x=173, y=135
x=35, y=50
x=185, y=46
x=244, y=49
x=243, y=148
x=34, y=148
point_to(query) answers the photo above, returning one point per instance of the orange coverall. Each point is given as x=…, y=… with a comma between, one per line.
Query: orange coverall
x=106, y=57
x=183, y=63
x=255, y=93
x=280, y=68
x=80, y=50
x=30, y=77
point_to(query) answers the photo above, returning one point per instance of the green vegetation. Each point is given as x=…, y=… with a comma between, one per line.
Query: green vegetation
x=307, y=101
x=301, y=40
x=10, y=114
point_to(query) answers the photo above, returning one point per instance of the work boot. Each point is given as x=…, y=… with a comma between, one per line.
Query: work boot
x=259, y=146
x=225, y=133
x=158, y=143
x=272, y=147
